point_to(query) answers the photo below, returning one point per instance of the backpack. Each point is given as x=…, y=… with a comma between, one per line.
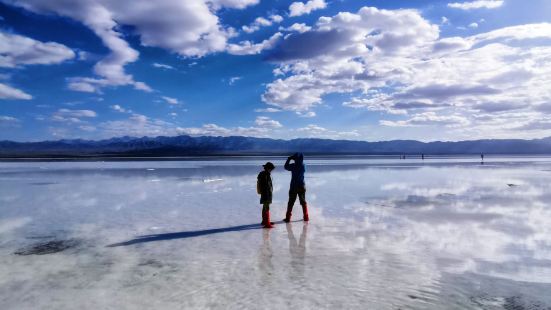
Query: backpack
x=258, y=189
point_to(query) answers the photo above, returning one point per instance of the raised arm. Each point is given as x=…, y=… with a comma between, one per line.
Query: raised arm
x=288, y=166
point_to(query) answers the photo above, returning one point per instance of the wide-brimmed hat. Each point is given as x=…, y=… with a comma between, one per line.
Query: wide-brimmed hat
x=269, y=165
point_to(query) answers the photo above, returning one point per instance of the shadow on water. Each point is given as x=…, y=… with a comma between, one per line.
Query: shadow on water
x=187, y=234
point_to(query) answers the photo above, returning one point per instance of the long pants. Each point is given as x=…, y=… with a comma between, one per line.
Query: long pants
x=293, y=193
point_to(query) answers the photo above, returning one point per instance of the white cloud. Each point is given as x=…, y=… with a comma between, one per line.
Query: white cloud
x=429, y=119
x=215, y=130
x=480, y=4
x=266, y=122
x=87, y=128
x=163, y=66
x=235, y=4
x=296, y=27
x=395, y=62
x=81, y=86
x=299, y=8
x=473, y=25
x=316, y=131
x=234, y=79
x=170, y=100
x=345, y=53
x=8, y=121
x=72, y=116
x=16, y=50
x=137, y=125
x=160, y=25
x=308, y=114
x=260, y=22
x=313, y=129
x=9, y=93
x=249, y=48
x=276, y=18
x=120, y=109
x=267, y=110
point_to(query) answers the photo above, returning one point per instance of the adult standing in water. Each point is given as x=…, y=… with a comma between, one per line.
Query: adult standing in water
x=298, y=187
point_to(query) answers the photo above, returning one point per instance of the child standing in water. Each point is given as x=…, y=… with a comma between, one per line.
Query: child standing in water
x=264, y=188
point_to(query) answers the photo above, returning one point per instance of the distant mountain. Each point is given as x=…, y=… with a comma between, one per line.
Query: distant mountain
x=190, y=146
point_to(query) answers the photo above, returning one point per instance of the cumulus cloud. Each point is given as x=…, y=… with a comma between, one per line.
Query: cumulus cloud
x=260, y=22
x=394, y=61
x=296, y=27
x=266, y=122
x=159, y=25
x=299, y=8
x=120, y=109
x=18, y=50
x=480, y=4
x=345, y=53
x=9, y=93
x=250, y=48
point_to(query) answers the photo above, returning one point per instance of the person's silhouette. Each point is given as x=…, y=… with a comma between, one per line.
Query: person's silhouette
x=297, y=187
x=265, y=256
x=264, y=188
x=297, y=251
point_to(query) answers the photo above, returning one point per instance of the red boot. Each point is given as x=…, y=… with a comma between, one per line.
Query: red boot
x=266, y=220
x=305, y=212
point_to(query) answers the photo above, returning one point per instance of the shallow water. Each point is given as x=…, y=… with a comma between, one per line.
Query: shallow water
x=443, y=233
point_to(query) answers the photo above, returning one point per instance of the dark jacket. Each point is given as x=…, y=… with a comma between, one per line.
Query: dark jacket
x=297, y=171
x=265, y=187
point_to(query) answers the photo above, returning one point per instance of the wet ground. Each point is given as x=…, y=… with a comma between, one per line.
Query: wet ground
x=443, y=233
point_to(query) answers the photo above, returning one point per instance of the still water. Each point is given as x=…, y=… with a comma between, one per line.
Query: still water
x=384, y=233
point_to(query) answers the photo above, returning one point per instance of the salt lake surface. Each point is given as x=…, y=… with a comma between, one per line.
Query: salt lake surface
x=384, y=233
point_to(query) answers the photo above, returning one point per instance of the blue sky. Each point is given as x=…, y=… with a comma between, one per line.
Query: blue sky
x=362, y=70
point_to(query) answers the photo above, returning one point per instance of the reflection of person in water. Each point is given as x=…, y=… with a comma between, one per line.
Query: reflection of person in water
x=297, y=249
x=298, y=187
x=265, y=256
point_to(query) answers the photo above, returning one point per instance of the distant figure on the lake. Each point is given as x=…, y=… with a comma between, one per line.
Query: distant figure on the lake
x=264, y=188
x=423, y=156
x=298, y=187
x=481, y=157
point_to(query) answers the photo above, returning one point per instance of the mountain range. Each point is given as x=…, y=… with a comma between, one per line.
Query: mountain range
x=236, y=145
